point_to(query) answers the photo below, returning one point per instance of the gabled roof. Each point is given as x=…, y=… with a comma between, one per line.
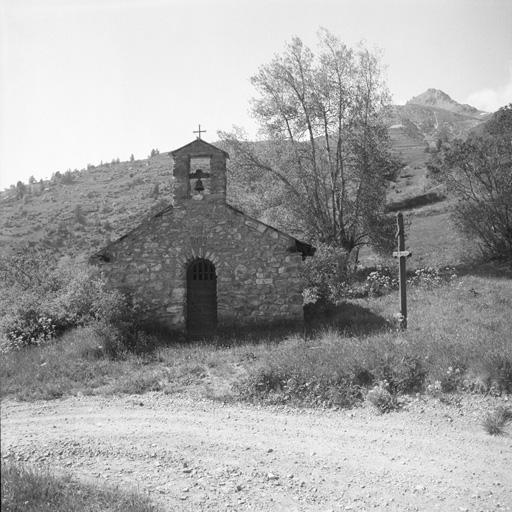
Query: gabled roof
x=302, y=247
x=102, y=255
x=198, y=147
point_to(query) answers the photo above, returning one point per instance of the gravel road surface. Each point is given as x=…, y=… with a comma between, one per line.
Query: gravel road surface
x=191, y=454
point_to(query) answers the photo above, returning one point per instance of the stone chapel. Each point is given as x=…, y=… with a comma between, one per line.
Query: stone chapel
x=201, y=263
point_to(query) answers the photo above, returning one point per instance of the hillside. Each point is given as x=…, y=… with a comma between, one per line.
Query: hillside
x=81, y=211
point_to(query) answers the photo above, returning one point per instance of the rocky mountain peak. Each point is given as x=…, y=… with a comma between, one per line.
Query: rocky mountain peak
x=438, y=99
x=431, y=97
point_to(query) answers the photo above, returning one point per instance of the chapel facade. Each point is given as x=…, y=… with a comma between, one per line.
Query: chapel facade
x=200, y=263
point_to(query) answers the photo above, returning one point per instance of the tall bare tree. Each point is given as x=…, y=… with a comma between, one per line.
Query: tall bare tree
x=324, y=159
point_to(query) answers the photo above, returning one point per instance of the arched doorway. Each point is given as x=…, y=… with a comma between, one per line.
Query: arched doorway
x=201, y=299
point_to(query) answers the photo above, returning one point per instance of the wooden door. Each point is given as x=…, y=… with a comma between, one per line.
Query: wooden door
x=201, y=300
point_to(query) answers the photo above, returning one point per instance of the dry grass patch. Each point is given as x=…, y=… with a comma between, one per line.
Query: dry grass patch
x=29, y=489
x=495, y=422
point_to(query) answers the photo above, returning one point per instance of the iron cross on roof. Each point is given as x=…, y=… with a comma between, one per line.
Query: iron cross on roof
x=199, y=132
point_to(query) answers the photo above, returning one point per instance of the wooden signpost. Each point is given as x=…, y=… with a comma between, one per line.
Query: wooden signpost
x=401, y=254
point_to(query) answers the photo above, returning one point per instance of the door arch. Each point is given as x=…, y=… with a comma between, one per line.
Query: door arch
x=201, y=299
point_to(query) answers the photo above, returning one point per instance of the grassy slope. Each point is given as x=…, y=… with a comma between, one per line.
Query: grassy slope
x=113, y=198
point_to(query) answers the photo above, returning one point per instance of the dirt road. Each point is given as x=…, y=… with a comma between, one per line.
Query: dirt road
x=200, y=455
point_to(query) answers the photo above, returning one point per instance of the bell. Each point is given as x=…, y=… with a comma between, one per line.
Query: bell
x=199, y=186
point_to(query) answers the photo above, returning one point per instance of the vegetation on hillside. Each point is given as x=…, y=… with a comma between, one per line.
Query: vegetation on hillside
x=78, y=212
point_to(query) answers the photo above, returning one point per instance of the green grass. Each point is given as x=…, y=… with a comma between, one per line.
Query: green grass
x=30, y=489
x=458, y=339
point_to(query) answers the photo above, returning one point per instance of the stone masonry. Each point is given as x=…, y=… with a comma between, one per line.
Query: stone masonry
x=258, y=268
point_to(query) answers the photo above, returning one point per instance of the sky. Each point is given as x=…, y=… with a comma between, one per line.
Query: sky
x=85, y=81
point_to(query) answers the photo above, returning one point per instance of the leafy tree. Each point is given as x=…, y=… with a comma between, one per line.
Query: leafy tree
x=478, y=172
x=501, y=123
x=67, y=178
x=155, y=192
x=21, y=189
x=32, y=180
x=325, y=159
x=78, y=215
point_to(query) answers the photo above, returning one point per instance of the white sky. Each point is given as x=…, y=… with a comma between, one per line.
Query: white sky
x=88, y=80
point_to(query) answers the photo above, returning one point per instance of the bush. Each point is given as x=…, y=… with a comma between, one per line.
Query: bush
x=326, y=274
x=494, y=422
x=381, y=397
x=27, y=329
x=381, y=281
x=44, y=301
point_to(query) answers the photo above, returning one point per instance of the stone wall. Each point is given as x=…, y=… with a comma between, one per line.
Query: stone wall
x=259, y=271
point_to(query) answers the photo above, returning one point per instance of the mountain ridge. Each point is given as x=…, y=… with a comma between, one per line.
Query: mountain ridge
x=428, y=118
x=439, y=99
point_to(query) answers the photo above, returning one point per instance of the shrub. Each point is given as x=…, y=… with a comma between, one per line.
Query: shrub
x=67, y=178
x=43, y=301
x=381, y=397
x=326, y=274
x=401, y=373
x=381, y=281
x=494, y=422
x=27, y=329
